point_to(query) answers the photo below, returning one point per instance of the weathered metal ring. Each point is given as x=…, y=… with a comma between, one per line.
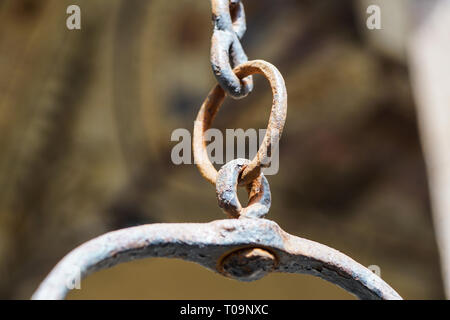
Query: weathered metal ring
x=277, y=119
x=207, y=244
x=226, y=191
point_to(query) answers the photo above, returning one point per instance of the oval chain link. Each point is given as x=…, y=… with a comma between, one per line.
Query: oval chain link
x=277, y=119
x=226, y=49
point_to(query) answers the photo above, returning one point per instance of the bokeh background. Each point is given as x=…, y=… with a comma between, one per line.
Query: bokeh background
x=85, y=124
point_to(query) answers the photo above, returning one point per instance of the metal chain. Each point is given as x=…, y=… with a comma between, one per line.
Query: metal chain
x=226, y=49
x=233, y=73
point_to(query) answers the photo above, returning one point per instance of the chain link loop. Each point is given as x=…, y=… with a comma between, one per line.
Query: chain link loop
x=277, y=119
x=259, y=198
x=226, y=49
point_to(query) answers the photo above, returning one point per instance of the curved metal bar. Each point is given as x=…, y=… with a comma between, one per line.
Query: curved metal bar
x=208, y=244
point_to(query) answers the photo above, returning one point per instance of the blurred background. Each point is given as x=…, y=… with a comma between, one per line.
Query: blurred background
x=86, y=119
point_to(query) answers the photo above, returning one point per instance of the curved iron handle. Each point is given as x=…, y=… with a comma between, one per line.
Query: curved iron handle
x=208, y=244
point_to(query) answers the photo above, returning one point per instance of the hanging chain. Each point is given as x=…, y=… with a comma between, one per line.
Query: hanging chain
x=226, y=52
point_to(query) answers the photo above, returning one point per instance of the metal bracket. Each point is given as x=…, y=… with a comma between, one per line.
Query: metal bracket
x=245, y=249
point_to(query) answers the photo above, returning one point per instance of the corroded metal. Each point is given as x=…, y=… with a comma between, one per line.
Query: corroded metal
x=226, y=49
x=229, y=15
x=258, y=190
x=248, y=264
x=275, y=126
x=210, y=245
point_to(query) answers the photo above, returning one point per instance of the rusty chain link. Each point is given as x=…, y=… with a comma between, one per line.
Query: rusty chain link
x=226, y=53
x=226, y=49
x=277, y=119
x=258, y=191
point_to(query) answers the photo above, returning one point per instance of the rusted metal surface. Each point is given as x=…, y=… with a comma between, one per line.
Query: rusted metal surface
x=258, y=190
x=226, y=49
x=229, y=15
x=277, y=119
x=248, y=264
x=214, y=245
